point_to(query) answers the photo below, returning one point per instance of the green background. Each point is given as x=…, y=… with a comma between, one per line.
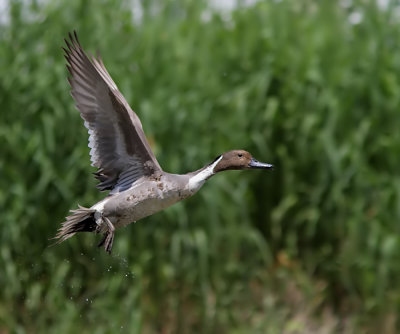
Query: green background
x=312, y=247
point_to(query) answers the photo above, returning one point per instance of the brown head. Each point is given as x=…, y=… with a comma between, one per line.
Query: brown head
x=238, y=159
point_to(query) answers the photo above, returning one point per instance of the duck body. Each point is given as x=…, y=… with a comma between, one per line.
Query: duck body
x=146, y=197
x=126, y=164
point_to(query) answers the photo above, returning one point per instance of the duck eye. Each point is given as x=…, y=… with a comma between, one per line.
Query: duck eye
x=240, y=155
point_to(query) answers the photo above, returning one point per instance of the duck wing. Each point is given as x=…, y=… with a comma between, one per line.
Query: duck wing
x=119, y=148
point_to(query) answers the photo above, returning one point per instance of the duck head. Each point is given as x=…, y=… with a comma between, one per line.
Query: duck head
x=238, y=159
x=232, y=160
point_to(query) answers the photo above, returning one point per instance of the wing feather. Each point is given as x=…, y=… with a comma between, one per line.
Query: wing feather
x=118, y=146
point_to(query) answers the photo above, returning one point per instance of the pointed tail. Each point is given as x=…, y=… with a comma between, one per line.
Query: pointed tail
x=81, y=220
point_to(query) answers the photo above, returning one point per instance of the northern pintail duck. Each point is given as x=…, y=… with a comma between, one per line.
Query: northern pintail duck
x=126, y=164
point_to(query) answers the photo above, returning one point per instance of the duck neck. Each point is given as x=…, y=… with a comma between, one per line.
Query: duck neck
x=200, y=176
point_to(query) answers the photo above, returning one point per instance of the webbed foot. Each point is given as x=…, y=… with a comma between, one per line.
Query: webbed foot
x=108, y=237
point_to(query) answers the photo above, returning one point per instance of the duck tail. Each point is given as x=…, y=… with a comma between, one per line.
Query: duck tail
x=81, y=220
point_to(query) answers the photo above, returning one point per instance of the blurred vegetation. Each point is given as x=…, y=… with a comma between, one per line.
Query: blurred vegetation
x=310, y=86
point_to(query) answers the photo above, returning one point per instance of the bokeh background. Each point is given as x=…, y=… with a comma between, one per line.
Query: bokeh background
x=310, y=86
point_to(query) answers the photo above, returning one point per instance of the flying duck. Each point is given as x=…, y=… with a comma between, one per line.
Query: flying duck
x=127, y=167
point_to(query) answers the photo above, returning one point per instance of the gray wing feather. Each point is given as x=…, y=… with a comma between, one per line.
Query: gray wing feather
x=118, y=146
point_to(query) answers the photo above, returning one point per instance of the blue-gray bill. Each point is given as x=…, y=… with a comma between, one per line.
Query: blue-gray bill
x=259, y=165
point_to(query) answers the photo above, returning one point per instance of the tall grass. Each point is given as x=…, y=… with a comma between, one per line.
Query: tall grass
x=312, y=246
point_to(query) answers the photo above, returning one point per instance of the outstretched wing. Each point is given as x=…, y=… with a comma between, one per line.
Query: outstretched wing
x=119, y=148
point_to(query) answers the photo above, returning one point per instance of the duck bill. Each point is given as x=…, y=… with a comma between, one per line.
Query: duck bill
x=254, y=164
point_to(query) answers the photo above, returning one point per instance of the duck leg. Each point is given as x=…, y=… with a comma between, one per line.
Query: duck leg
x=103, y=240
x=108, y=237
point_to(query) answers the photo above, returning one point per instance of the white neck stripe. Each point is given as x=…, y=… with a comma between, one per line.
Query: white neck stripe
x=197, y=180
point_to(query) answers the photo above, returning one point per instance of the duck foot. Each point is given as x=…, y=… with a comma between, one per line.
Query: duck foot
x=108, y=237
x=103, y=239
